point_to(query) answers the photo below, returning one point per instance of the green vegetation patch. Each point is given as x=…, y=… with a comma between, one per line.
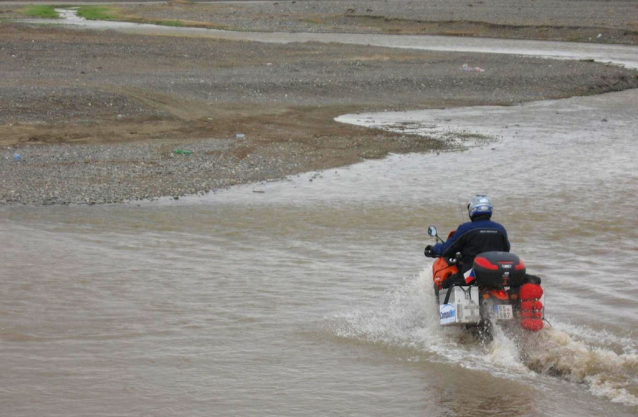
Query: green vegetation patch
x=97, y=13
x=178, y=23
x=41, y=10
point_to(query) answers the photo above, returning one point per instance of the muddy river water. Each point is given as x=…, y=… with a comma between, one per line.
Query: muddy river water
x=312, y=295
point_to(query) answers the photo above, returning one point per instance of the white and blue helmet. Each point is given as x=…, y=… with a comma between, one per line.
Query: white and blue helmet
x=479, y=205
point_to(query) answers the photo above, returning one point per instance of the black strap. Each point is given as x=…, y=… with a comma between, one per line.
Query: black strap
x=449, y=292
x=447, y=295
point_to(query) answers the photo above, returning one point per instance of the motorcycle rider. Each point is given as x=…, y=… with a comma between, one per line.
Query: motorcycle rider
x=479, y=235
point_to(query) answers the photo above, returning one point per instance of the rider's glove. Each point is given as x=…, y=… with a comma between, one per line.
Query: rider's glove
x=428, y=252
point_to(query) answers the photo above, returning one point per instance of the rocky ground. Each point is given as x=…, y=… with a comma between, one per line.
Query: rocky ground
x=601, y=21
x=97, y=116
x=569, y=20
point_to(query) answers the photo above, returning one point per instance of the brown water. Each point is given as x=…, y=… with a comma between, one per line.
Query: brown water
x=313, y=296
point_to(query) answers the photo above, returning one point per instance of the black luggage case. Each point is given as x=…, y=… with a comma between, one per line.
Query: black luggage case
x=499, y=269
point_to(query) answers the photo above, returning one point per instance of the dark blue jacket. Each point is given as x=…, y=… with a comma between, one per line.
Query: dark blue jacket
x=472, y=238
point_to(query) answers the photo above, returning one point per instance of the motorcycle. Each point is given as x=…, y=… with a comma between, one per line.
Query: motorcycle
x=498, y=290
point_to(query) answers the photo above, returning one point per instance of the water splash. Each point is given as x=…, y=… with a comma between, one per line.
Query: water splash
x=601, y=338
x=606, y=373
x=406, y=318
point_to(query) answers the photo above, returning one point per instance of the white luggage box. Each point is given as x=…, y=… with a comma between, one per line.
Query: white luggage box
x=461, y=308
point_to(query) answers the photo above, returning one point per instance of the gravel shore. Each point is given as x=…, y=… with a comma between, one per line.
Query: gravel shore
x=97, y=116
x=94, y=174
x=569, y=20
x=597, y=21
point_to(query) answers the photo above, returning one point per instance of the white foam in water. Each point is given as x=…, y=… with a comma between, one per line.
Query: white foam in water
x=597, y=337
x=504, y=352
x=608, y=374
x=406, y=318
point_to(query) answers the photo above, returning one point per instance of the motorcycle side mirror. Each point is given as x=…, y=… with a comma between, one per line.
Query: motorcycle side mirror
x=432, y=231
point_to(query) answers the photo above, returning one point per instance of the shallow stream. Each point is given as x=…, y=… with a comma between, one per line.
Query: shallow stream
x=313, y=295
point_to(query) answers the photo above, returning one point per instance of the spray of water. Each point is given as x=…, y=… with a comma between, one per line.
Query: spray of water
x=406, y=318
x=605, y=372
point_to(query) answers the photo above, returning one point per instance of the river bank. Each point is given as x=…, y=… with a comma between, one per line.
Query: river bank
x=97, y=119
x=570, y=21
